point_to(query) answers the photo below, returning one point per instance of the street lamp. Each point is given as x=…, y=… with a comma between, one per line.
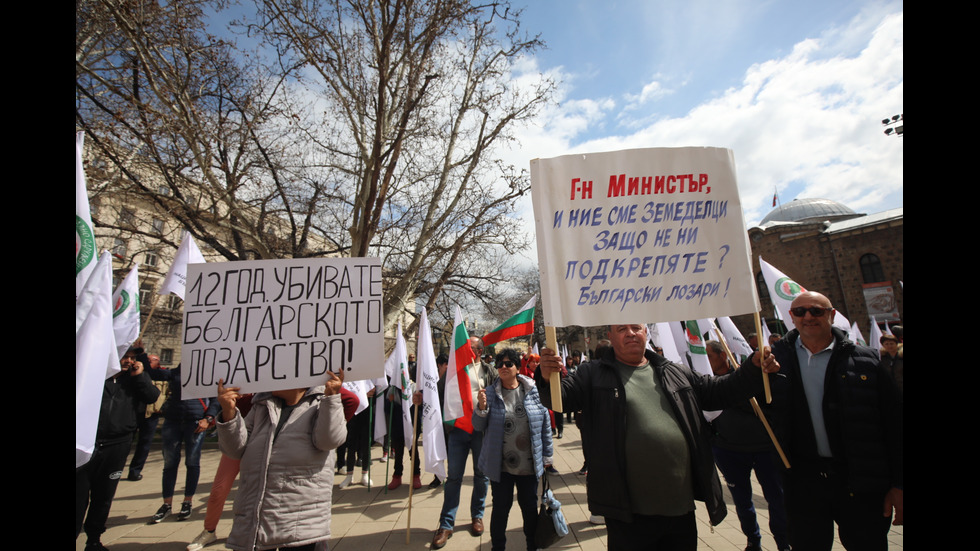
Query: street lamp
x=898, y=120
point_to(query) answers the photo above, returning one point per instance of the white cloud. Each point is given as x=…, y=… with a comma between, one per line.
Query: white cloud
x=807, y=124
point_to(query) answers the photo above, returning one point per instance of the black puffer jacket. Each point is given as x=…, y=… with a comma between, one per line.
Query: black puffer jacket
x=596, y=390
x=862, y=412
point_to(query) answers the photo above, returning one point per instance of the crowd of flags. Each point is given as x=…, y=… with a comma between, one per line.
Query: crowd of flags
x=107, y=321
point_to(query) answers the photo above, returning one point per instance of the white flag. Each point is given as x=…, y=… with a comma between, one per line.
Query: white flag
x=85, y=255
x=95, y=355
x=176, y=280
x=842, y=322
x=733, y=338
x=433, y=439
x=126, y=311
x=856, y=335
x=875, y=338
x=665, y=339
x=402, y=380
x=360, y=389
x=782, y=291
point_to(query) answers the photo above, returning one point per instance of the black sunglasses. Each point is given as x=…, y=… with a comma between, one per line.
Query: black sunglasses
x=815, y=311
x=508, y=363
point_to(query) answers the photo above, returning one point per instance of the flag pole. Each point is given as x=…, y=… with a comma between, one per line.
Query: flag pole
x=391, y=412
x=153, y=308
x=552, y=341
x=762, y=356
x=411, y=465
x=755, y=403
x=370, y=440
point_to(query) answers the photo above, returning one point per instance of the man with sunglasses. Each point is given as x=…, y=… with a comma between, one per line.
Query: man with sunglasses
x=842, y=422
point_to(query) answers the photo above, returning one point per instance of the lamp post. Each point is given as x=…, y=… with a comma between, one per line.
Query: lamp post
x=895, y=125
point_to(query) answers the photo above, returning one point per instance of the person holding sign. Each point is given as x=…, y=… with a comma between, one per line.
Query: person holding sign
x=845, y=434
x=517, y=446
x=648, y=448
x=286, y=446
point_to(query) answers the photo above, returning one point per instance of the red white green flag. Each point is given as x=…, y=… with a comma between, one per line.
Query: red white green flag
x=459, y=390
x=518, y=325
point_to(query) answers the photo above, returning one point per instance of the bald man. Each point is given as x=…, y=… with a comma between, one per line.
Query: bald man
x=842, y=424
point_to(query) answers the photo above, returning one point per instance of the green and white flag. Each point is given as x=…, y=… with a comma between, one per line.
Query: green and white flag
x=95, y=355
x=85, y=256
x=126, y=311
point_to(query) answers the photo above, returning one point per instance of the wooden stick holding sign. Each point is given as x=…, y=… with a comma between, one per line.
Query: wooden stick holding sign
x=762, y=350
x=551, y=340
x=755, y=403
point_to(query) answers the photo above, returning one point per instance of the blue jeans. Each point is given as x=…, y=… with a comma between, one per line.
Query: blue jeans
x=736, y=468
x=177, y=433
x=461, y=444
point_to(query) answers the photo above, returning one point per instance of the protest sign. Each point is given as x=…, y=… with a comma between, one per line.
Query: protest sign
x=641, y=236
x=280, y=324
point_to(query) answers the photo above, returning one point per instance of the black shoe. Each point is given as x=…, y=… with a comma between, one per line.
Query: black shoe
x=551, y=469
x=753, y=547
x=134, y=477
x=435, y=483
x=185, y=511
x=95, y=546
x=161, y=514
x=560, y=434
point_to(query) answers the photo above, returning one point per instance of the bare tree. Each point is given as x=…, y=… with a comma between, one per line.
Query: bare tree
x=418, y=97
x=180, y=120
x=356, y=127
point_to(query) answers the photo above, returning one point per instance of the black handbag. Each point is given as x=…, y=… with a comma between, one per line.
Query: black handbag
x=551, y=521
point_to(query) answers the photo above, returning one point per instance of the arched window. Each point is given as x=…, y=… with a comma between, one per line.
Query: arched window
x=871, y=270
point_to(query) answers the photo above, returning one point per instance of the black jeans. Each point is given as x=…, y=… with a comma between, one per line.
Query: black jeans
x=503, y=498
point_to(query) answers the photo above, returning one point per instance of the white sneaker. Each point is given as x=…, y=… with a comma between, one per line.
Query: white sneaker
x=366, y=480
x=202, y=540
x=347, y=480
x=596, y=519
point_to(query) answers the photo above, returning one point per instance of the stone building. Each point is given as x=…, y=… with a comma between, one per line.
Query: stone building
x=857, y=260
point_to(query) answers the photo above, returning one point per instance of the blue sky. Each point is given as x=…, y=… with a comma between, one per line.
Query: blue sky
x=796, y=89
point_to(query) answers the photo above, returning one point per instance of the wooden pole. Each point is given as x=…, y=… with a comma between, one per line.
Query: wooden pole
x=762, y=350
x=755, y=403
x=552, y=341
x=153, y=308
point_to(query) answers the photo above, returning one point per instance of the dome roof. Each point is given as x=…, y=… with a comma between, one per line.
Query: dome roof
x=809, y=210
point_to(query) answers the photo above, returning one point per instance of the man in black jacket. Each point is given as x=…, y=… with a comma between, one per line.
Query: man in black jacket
x=124, y=399
x=649, y=450
x=842, y=428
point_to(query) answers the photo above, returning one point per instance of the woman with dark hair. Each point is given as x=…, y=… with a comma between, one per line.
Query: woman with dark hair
x=516, y=447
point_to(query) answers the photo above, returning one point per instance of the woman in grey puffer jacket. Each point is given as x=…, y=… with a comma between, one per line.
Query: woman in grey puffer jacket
x=286, y=446
x=516, y=447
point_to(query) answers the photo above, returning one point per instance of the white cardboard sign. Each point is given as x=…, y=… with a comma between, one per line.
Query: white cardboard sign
x=267, y=325
x=641, y=236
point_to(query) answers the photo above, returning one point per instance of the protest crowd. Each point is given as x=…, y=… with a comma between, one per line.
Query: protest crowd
x=646, y=461
x=665, y=414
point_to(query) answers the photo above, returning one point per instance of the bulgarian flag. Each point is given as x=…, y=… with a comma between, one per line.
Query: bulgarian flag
x=520, y=324
x=459, y=392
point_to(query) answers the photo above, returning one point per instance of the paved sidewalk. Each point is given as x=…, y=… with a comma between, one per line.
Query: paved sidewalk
x=368, y=520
